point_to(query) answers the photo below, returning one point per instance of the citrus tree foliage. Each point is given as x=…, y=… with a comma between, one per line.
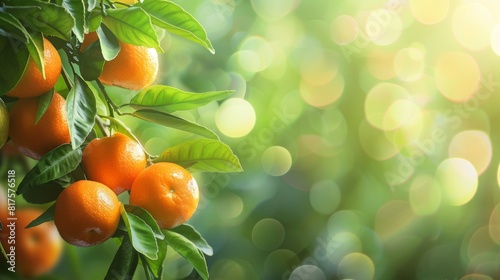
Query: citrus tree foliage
x=24, y=24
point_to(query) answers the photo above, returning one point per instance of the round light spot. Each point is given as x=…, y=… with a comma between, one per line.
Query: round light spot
x=276, y=160
x=256, y=54
x=307, y=272
x=341, y=245
x=400, y=113
x=229, y=206
x=383, y=27
x=409, y=64
x=425, y=195
x=495, y=39
x=429, y=11
x=472, y=25
x=494, y=224
x=375, y=143
x=235, y=117
x=380, y=64
x=476, y=277
x=325, y=197
x=343, y=221
x=457, y=76
x=479, y=243
x=356, y=266
x=378, y=101
x=268, y=234
x=273, y=10
x=344, y=30
x=323, y=94
x=393, y=218
x=458, y=180
x=278, y=261
x=474, y=146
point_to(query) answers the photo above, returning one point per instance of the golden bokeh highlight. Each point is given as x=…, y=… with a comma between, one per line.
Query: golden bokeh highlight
x=378, y=101
x=344, y=30
x=321, y=95
x=400, y=113
x=479, y=243
x=495, y=39
x=474, y=146
x=425, y=195
x=393, y=218
x=457, y=76
x=429, y=11
x=235, y=117
x=380, y=64
x=409, y=64
x=472, y=25
x=356, y=266
x=458, y=179
x=343, y=244
x=375, y=143
x=494, y=224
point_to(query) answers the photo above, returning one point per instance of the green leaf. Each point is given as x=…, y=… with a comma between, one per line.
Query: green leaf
x=17, y=57
x=188, y=250
x=44, y=193
x=110, y=47
x=11, y=28
x=132, y=26
x=173, y=122
x=141, y=234
x=176, y=20
x=48, y=18
x=46, y=216
x=154, y=268
x=202, y=155
x=95, y=20
x=76, y=9
x=54, y=164
x=118, y=126
x=144, y=215
x=124, y=263
x=171, y=99
x=36, y=49
x=92, y=62
x=194, y=236
x=43, y=104
x=81, y=108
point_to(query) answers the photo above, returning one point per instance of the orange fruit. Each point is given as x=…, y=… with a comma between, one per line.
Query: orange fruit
x=37, y=249
x=87, y=213
x=50, y=131
x=32, y=82
x=114, y=161
x=134, y=68
x=168, y=192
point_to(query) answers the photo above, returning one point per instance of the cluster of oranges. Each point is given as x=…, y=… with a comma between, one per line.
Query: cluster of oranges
x=87, y=212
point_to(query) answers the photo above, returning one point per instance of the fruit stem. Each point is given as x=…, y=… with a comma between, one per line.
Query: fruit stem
x=112, y=106
x=101, y=125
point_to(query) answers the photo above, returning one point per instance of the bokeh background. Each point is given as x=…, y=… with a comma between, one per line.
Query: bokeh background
x=367, y=131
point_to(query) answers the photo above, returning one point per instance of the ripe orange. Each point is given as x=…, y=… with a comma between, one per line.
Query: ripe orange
x=37, y=249
x=87, y=213
x=114, y=161
x=50, y=131
x=32, y=82
x=168, y=191
x=134, y=68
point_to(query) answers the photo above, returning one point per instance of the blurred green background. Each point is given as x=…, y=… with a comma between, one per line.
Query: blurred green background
x=367, y=131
